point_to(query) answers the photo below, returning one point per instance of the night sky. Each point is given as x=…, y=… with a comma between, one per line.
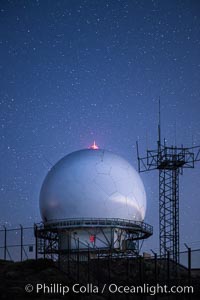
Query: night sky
x=77, y=71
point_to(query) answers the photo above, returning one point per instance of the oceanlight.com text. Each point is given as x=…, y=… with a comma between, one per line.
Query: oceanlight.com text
x=112, y=288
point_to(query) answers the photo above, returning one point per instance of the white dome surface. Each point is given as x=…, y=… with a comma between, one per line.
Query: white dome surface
x=92, y=184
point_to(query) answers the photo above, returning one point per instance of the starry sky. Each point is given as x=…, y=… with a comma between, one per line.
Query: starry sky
x=74, y=71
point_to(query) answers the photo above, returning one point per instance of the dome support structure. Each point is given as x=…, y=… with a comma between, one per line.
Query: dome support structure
x=75, y=238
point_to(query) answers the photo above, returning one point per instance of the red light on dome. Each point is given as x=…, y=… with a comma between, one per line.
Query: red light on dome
x=94, y=146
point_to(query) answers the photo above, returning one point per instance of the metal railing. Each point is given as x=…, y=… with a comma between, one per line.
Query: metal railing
x=99, y=222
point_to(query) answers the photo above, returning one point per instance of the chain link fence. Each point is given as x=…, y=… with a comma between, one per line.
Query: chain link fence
x=20, y=244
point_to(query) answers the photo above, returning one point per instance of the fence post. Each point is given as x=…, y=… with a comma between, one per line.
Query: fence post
x=189, y=263
x=155, y=265
x=78, y=260
x=21, y=246
x=5, y=242
x=68, y=256
x=88, y=263
x=98, y=272
x=168, y=267
x=141, y=266
x=36, y=242
x=127, y=269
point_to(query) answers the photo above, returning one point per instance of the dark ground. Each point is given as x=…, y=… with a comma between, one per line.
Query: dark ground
x=14, y=276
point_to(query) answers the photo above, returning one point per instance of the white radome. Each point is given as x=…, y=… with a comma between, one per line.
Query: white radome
x=92, y=184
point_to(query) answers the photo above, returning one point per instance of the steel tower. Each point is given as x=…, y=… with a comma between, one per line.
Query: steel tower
x=170, y=161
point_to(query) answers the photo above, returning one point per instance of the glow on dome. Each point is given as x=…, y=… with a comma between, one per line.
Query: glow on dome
x=94, y=146
x=92, y=184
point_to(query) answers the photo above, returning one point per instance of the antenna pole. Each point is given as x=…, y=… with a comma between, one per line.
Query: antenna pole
x=159, y=126
x=138, y=158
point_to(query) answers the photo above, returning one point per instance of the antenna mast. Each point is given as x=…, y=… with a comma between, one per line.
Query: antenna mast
x=159, y=124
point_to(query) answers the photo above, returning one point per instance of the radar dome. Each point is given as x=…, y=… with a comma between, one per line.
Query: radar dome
x=92, y=184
